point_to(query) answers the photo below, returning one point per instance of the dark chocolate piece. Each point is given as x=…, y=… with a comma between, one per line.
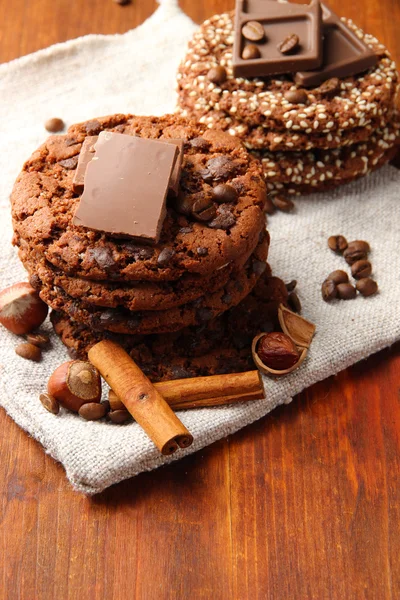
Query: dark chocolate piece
x=86, y=155
x=176, y=173
x=126, y=186
x=344, y=53
x=280, y=20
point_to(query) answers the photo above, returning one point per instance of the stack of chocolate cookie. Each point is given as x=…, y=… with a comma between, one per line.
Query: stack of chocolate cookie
x=313, y=127
x=161, y=246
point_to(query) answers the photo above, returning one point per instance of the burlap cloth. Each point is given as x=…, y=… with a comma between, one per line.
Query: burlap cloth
x=135, y=72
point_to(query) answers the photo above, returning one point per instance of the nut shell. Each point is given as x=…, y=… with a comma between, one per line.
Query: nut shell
x=75, y=383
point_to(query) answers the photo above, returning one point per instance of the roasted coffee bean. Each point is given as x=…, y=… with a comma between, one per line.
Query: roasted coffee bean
x=299, y=96
x=224, y=219
x=291, y=285
x=338, y=277
x=290, y=44
x=361, y=269
x=217, y=75
x=346, y=291
x=259, y=267
x=282, y=203
x=183, y=204
x=29, y=351
x=367, y=286
x=294, y=302
x=93, y=127
x=93, y=411
x=204, y=209
x=329, y=88
x=69, y=163
x=119, y=416
x=329, y=290
x=201, y=251
x=251, y=52
x=50, y=403
x=200, y=143
x=224, y=193
x=37, y=339
x=221, y=167
x=165, y=257
x=54, y=125
x=269, y=207
x=357, y=250
x=253, y=31
x=337, y=243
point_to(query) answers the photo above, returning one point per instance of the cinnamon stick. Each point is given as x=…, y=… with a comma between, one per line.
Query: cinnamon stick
x=140, y=397
x=214, y=390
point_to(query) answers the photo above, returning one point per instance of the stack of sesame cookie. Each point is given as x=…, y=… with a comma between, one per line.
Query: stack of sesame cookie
x=307, y=139
x=173, y=299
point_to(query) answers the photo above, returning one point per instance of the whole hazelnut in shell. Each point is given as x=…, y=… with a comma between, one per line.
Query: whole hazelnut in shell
x=75, y=383
x=21, y=309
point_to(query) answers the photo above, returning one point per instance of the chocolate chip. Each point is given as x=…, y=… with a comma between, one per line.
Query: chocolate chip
x=69, y=163
x=338, y=277
x=251, y=52
x=119, y=416
x=253, y=31
x=282, y=203
x=337, y=243
x=224, y=219
x=72, y=353
x=184, y=230
x=54, y=125
x=180, y=373
x=202, y=251
x=217, y=75
x=328, y=290
x=204, y=209
x=329, y=88
x=227, y=299
x=50, y=403
x=290, y=44
x=224, y=193
x=122, y=2
x=259, y=267
x=70, y=141
x=204, y=314
x=35, y=282
x=200, y=143
x=93, y=127
x=346, y=291
x=367, y=286
x=165, y=257
x=299, y=96
x=138, y=252
x=103, y=256
x=111, y=317
x=93, y=411
x=269, y=208
x=221, y=167
x=361, y=269
x=294, y=302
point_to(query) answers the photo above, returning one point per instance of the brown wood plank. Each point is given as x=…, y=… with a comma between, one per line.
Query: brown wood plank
x=303, y=504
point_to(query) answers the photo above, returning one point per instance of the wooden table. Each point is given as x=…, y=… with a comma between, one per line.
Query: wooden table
x=305, y=504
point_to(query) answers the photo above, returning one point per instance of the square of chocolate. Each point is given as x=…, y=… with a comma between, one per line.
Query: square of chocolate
x=176, y=173
x=273, y=37
x=126, y=185
x=344, y=53
x=85, y=156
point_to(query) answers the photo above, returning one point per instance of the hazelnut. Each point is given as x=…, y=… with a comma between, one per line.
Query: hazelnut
x=75, y=383
x=277, y=351
x=21, y=309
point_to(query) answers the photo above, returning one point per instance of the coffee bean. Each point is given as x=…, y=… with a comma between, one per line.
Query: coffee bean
x=29, y=351
x=202, y=251
x=251, y=52
x=37, y=339
x=106, y=404
x=224, y=219
x=93, y=127
x=269, y=208
x=291, y=285
x=183, y=204
x=217, y=75
x=346, y=291
x=165, y=257
x=69, y=163
x=221, y=167
x=361, y=269
x=119, y=416
x=356, y=250
x=204, y=209
x=337, y=243
x=367, y=286
x=93, y=411
x=282, y=203
x=54, y=125
x=224, y=193
x=50, y=403
x=329, y=290
x=290, y=44
x=253, y=31
x=329, y=88
x=338, y=277
x=294, y=302
x=299, y=96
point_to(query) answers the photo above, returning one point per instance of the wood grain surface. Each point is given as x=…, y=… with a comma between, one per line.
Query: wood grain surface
x=305, y=504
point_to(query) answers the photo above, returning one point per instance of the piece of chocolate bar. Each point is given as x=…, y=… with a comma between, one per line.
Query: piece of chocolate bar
x=282, y=24
x=85, y=156
x=176, y=173
x=344, y=53
x=126, y=185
